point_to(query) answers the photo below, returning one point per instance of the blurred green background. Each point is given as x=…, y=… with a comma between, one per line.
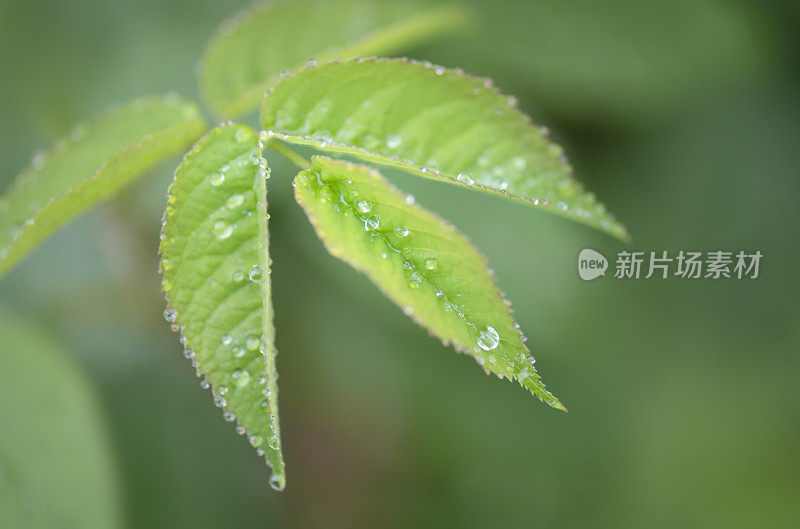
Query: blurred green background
x=683, y=116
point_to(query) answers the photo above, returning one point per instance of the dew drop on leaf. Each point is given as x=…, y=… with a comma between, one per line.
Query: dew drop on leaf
x=275, y=482
x=488, y=339
x=222, y=229
x=216, y=179
x=234, y=201
x=371, y=223
x=241, y=378
x=431, y=263
x=465, y=178
x=255, y=273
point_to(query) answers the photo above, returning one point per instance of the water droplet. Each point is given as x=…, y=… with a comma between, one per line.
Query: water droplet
x=222, y=229
x=401, y=231
x=255, y=273
x=228, y=416
x=226, y=339
x=237, y=351
x=523, y=374
x=431, y=263
x=216, y=179
x=170, y=315
x=439, y=70
x=242, y=135
x=256, y=440
x=220, y=402
x=531, y=361
x=237, y=276
x=410, y=200
x=488, y=339
x=363, y=206
x=204, y=383
x=166, y=284
x=275, y=482
x=241, y=378
x=273, y=442
x=222, y=390
x=416, y=279
x=371, y=223
x=234, y=201
x=166, y=264
x=253, y=343
x=465, y=178
x=188, y=353
x=393, y=141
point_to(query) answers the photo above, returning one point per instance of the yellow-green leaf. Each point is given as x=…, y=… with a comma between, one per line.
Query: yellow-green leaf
x=94, y=162
x=215, y=265
x=433, y=122
x=56, y=464
x=420, y=262
x=250, y=50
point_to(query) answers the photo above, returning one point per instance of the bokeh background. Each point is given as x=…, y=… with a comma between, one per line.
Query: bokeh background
x=683, y=116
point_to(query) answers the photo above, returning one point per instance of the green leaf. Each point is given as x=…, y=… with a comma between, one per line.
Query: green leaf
x=215, y=265
x=56, y=467
x=94, y=162
x=420, y=262
x=250, y=50
x=432, y=122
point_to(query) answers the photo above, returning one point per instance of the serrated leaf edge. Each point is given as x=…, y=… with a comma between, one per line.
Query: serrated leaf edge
x=280, y=484
x=439, y=19
x=64, y=144
x=613, y=228
x=539, y=388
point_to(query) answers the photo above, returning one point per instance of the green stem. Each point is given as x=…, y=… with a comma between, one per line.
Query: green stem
x=288, y=153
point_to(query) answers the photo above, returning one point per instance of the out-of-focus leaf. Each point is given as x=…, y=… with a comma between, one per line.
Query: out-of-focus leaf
x=56, y=469
x=623, y=60
x=250, y=50
x=420, y=262
x=215, y=263
x=95, y=161
x=432, y=122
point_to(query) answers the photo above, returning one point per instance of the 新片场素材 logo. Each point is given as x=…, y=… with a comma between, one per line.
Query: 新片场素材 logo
x=716, y=264
x=591, y=264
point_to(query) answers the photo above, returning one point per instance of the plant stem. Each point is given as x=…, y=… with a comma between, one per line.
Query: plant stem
x=287, y=153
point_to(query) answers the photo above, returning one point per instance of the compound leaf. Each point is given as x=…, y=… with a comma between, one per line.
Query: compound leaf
x=432, y=122
x=250, y=50
x=95, y=161
x=420, y=262
x=56, y=466
x=215, y=266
